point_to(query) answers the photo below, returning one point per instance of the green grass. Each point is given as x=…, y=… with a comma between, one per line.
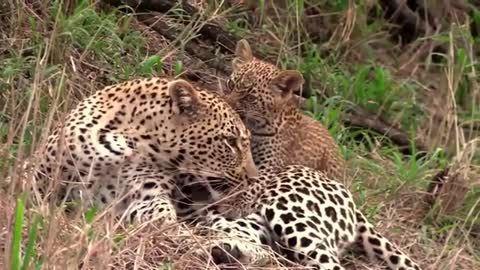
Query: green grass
x=100, y=41
x=21, y=260
x=17, y=235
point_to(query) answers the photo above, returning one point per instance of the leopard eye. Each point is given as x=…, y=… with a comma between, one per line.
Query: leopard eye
x=230, y=84
x=231, y=143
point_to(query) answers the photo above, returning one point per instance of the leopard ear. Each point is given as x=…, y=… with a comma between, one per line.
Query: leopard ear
x=243, y=54
x=185, y=100
x=286, y=83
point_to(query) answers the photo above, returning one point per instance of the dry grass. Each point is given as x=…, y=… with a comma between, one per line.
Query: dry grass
x=45, y=73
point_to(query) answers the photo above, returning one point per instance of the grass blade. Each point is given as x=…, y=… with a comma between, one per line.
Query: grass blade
x=32, y=239
x=17, y=235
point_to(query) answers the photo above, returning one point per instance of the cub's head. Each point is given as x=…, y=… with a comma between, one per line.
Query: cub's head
x=209, y=137
x=259, y=91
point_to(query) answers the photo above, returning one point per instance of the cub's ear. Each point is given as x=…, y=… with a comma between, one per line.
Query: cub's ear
x=286, y=83
x=185, y=100
x=243, y=54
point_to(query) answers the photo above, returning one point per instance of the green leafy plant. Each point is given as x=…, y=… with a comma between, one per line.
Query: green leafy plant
x=19, y=262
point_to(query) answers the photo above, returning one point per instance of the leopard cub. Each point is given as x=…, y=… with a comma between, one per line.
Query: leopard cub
x=281, y=133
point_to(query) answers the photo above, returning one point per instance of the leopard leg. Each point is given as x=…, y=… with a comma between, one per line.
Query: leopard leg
x=378, y=247
x=148, y=196
x=156, y=207
x=245, y=240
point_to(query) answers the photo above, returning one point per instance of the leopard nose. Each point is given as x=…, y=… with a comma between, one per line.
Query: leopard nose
x=251, y=168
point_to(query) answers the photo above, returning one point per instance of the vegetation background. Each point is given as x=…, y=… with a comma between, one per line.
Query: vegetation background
x=396, y=82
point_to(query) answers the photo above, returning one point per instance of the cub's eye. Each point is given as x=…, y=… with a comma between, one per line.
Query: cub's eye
x=230, y=84
x=231, y=143
x=249, y=99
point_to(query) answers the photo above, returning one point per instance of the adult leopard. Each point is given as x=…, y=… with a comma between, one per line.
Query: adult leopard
x=125, y=144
